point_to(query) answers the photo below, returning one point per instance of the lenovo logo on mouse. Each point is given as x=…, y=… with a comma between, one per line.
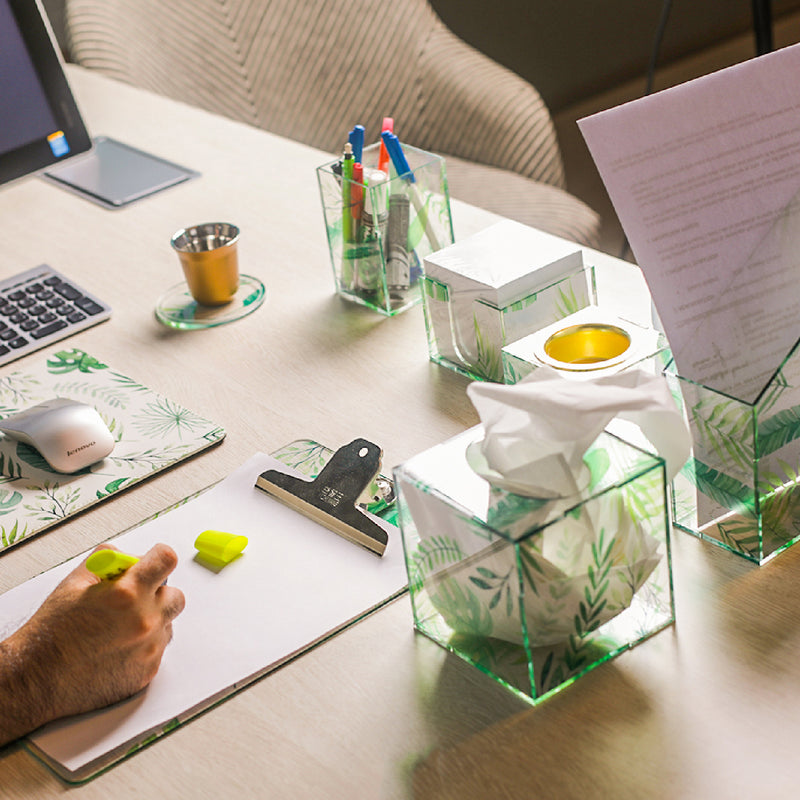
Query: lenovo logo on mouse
x=82, y=447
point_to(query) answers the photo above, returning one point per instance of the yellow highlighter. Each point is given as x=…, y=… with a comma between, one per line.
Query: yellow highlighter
x=108, y=564
x=219, y=547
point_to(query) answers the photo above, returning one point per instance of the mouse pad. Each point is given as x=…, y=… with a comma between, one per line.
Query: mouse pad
x=151, y=433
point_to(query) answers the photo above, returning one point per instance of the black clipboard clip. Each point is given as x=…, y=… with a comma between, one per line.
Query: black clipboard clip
x=330, y=499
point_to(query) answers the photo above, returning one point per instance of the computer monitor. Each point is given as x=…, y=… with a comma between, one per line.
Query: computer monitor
x=40, y=124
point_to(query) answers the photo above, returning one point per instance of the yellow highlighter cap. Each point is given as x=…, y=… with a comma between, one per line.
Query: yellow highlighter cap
x=109, y=563
x=220, y=546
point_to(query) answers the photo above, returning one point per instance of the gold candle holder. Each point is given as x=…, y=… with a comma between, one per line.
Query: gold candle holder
x=588, y=346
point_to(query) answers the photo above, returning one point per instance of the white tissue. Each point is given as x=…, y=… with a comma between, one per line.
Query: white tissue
x=537, y=431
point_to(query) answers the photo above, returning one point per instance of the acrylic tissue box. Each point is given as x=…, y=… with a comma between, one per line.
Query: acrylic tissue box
x=741, y=487
x=380, y=230
x=535, y=592
x=495, y=287
x=585, y=344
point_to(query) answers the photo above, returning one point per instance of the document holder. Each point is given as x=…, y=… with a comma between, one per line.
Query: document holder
x=739, y=490
x=535, y=593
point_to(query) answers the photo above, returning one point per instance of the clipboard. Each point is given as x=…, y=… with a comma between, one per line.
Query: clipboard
x=333, y=584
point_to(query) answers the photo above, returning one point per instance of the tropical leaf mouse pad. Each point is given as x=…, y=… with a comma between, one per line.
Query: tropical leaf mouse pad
x=150, y=431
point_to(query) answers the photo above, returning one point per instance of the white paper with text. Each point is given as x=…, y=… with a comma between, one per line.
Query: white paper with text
x=705, y=180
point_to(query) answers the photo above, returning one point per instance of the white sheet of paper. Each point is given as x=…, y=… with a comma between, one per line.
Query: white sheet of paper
x=705, y=179
x=294, y=584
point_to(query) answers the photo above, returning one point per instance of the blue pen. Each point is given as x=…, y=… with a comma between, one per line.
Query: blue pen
x=397, y=155
x=400, y=164
x=356, y=138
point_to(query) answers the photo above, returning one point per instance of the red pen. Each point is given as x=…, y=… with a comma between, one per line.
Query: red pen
x=383, y=154
x=357, y=199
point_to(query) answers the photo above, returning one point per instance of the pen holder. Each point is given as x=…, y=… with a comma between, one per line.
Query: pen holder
x=741, y=487
x=380, y=230
x=536, y=592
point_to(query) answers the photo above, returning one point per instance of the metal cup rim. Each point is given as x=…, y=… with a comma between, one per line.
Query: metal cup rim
x=194, y=231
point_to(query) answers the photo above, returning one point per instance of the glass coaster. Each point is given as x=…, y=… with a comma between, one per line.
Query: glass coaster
x=178, y=309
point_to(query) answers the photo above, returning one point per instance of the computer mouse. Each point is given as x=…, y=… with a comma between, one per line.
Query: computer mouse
x=68, y=434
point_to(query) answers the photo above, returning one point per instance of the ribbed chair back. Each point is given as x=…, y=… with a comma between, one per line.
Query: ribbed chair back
x=311, y=69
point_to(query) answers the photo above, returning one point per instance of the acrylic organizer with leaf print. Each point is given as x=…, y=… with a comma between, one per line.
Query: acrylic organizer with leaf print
x=537, y=543
x=738, y=375
x=380, y=228
x=535, y=592
x=741, y=488
x=151, y=433
x=708, y=195
x=496, y=287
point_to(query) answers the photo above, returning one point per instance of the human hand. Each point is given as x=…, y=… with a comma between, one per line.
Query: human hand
x=91, y=643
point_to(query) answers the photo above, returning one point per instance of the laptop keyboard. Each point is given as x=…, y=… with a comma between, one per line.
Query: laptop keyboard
x=41, y=306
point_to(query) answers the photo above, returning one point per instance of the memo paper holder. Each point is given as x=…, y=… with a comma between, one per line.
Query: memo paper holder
x=330, y=499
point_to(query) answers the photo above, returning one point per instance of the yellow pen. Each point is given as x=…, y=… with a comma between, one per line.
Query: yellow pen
x=108, y=564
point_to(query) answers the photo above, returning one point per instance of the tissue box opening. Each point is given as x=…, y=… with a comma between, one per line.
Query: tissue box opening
x=536, y=593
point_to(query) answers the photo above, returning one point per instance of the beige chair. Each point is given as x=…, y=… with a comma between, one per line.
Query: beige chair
x=311, y=69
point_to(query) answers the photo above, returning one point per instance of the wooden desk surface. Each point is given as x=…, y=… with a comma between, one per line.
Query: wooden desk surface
x=709, y=708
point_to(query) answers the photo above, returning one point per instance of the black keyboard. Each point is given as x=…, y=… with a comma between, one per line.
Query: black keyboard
x=41, y=306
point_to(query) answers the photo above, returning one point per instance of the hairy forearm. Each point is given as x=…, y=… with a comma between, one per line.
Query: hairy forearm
x=90, y=644
x=24, y=699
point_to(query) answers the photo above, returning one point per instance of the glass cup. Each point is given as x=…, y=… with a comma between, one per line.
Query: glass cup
x=210, y=261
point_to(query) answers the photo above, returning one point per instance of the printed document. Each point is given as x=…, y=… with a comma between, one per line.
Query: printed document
x=705, y=178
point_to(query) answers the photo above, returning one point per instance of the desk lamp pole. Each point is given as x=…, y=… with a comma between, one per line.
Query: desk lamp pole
x=762, y=25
